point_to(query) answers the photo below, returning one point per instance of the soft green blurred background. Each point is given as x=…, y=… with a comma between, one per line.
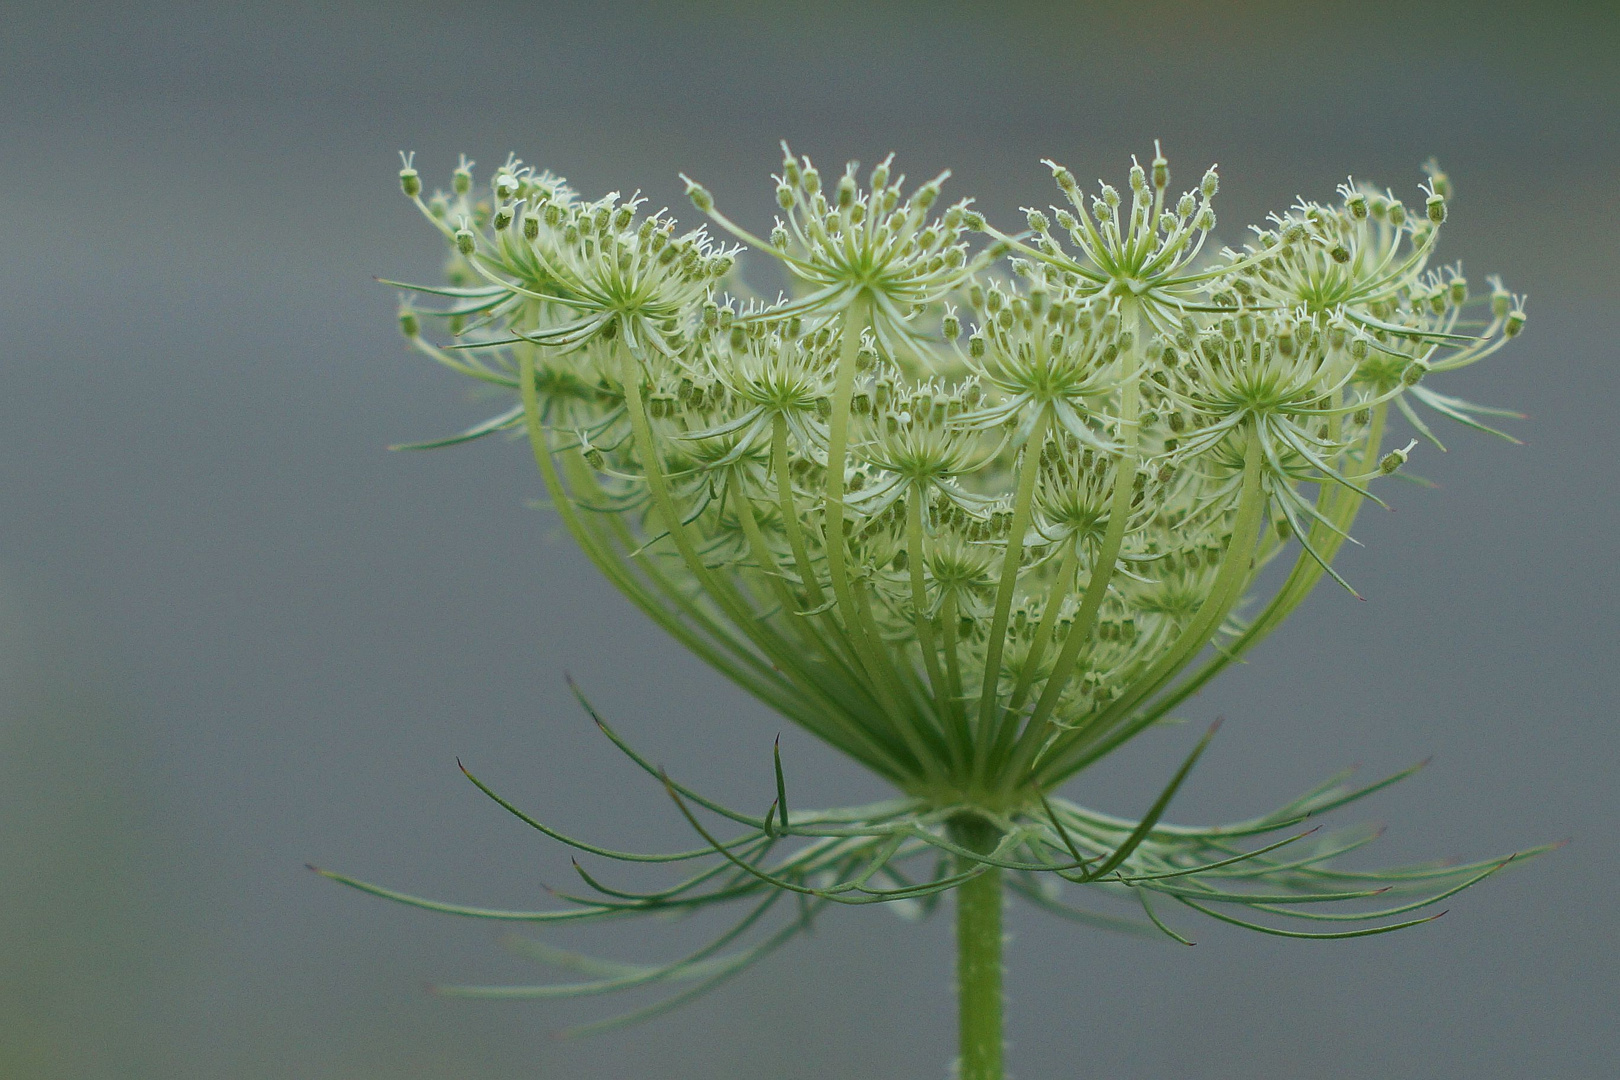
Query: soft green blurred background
x=237, y=635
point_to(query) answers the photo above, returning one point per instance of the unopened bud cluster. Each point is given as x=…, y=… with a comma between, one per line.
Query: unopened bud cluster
x=964, y=503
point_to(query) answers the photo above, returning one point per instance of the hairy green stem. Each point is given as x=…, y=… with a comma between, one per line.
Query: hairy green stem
x=978, y=973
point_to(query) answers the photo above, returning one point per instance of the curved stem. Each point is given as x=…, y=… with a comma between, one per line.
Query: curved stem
x=878, y=665
x=837, y=455
x=1033, y=738
x=784, y=656
x=790, y=511
x=1301, y=579
x=957, y=708
x=1102, y=732
x=1068, y=568
x=747, y=670
x=1023, y=502
x=924, y=625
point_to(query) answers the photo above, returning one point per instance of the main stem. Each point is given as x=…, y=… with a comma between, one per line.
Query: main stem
x=978, y=969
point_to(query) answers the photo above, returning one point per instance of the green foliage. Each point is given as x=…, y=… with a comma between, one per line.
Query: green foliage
x=907, y=853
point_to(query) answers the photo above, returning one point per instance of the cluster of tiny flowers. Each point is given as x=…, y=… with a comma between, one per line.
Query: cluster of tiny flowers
x=967, y=504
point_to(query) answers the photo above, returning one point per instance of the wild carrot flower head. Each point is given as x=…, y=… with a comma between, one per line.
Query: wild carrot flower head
x=974, y=513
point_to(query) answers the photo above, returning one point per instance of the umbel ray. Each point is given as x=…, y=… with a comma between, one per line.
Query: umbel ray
x=973, y=506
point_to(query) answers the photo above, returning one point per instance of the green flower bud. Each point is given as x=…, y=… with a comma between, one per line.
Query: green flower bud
x=1501, y=300
x=408, y=324
x=880, y=175
x=461, y=179
x=1515, y=321
x=464, y=240
x=409, y=182
x=1395, y=458
x=699, y=195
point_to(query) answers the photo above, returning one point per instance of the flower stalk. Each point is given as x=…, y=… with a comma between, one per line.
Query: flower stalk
x=979, y=938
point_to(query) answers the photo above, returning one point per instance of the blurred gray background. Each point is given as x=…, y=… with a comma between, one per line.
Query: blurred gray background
x=237, y=634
